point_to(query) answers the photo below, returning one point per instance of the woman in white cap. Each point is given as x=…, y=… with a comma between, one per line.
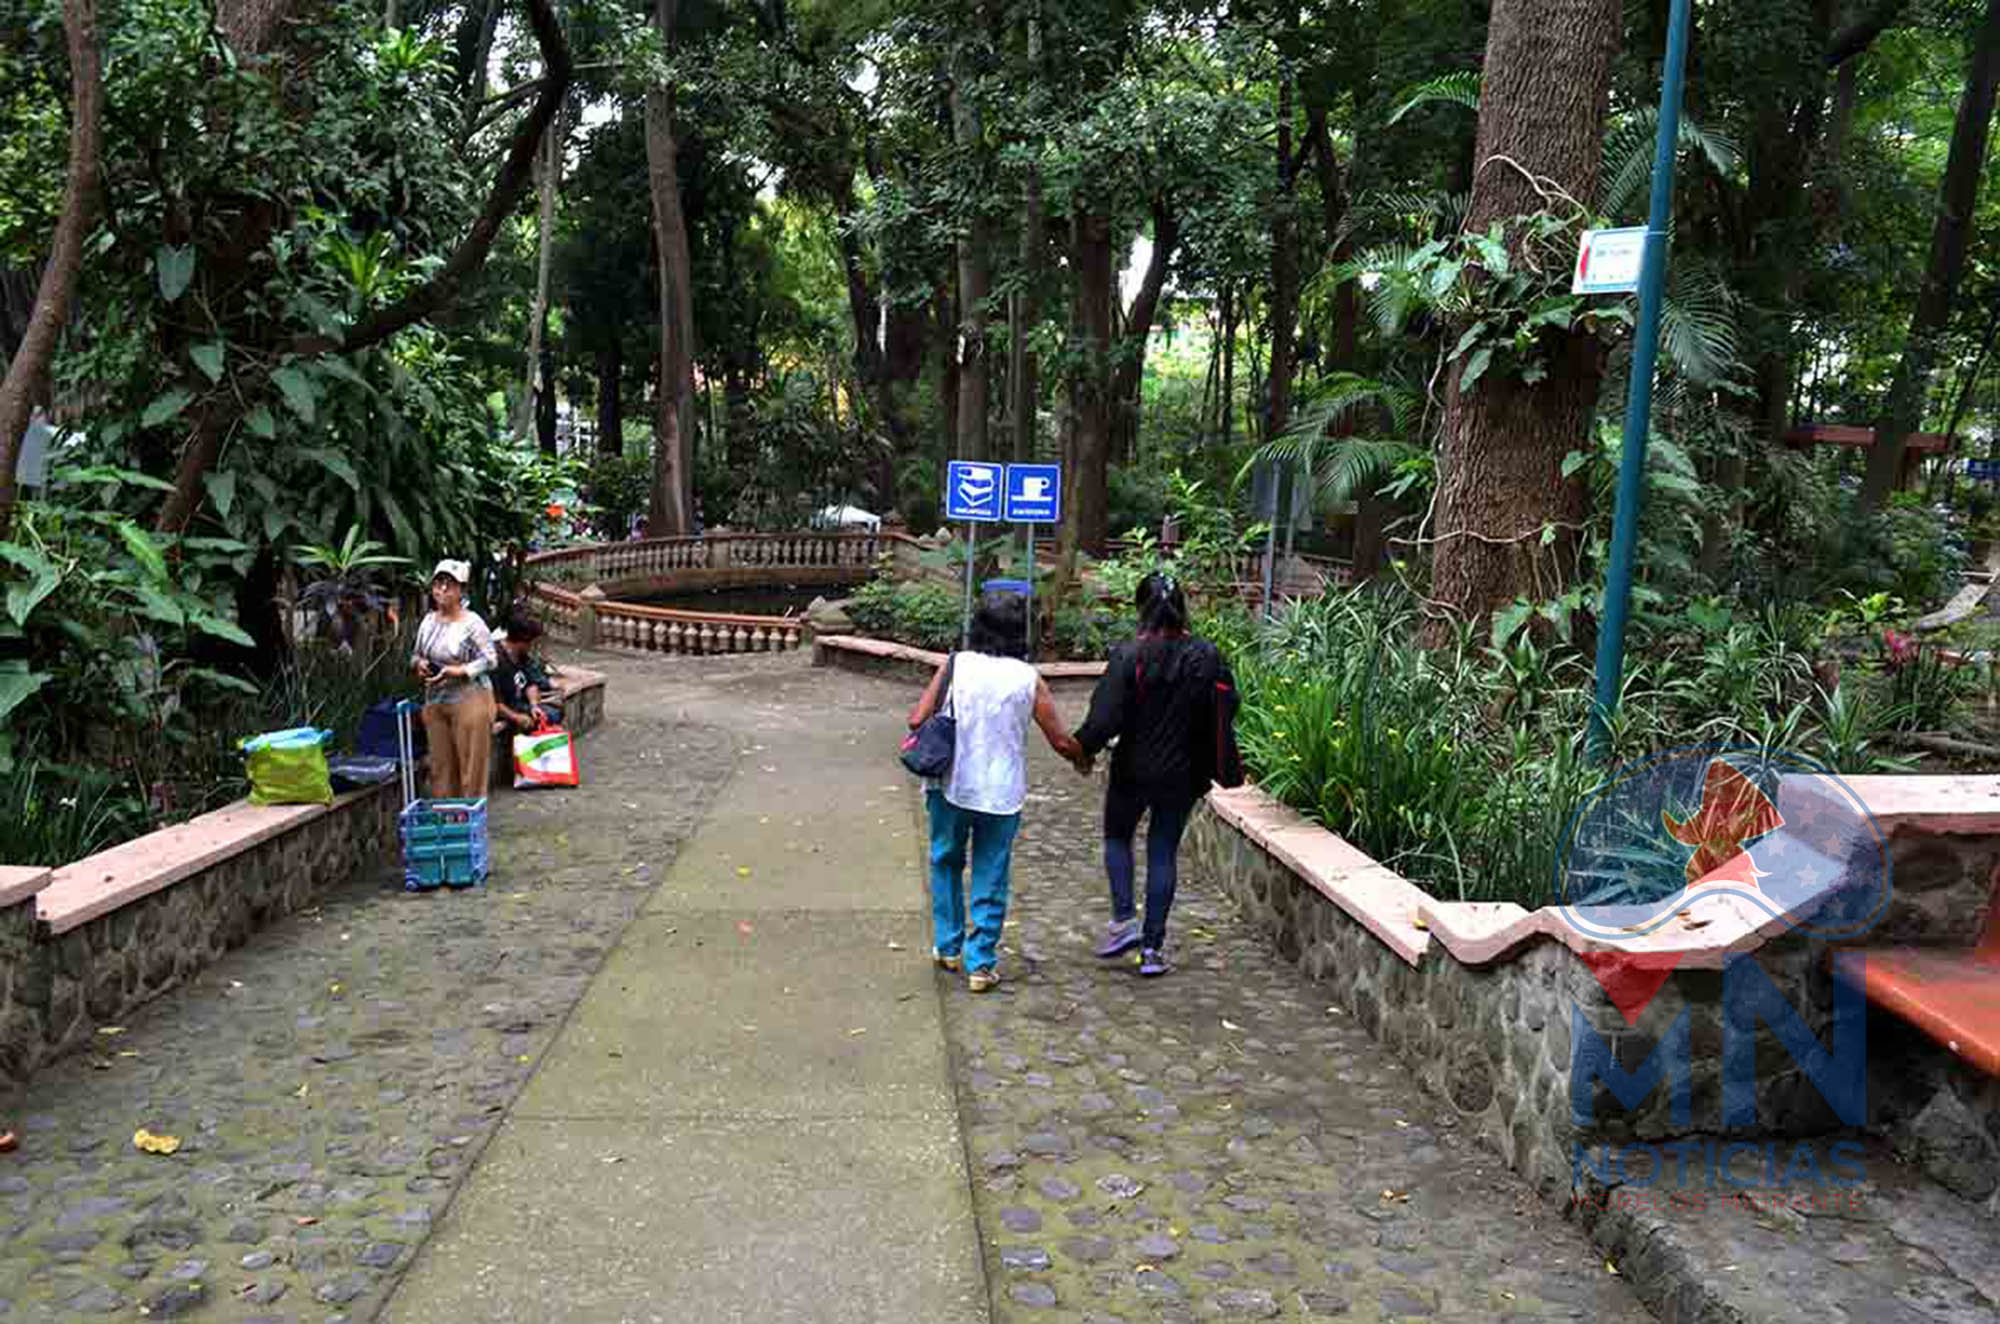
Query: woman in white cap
x=454, y=654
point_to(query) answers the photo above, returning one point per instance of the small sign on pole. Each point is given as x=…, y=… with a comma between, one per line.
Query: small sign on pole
x=1608, y=261
x=1034, y=496
x=1034, y=493
x=972, y=491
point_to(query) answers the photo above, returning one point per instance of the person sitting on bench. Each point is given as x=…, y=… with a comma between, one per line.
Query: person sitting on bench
x=521, y=687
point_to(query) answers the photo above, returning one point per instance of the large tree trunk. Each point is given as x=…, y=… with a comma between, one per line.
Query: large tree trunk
x=672, y=512
x=1542, y=107
x=1129, y=379
x=1957, y=199
x=1088, y=517
x=974, y=286
x=610, y=399
x=28, y=369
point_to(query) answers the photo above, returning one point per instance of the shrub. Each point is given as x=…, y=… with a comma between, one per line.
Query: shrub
x=924, y=614
x=1462, y=768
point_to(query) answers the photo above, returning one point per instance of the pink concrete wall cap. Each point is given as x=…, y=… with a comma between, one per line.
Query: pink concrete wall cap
x=19, y=882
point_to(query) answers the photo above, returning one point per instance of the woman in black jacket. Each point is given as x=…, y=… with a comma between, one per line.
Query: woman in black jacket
x=1159, y=701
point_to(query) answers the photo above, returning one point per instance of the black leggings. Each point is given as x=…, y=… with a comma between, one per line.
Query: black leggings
x=1122, y=807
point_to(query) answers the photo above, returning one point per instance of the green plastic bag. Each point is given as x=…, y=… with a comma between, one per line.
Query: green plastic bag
x=289, y=767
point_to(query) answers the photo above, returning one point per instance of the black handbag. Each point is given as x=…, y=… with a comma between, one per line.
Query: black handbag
x=929, y=750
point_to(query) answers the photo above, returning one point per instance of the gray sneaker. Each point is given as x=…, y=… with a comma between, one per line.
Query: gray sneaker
x=1120, y=936
x=1153, y=963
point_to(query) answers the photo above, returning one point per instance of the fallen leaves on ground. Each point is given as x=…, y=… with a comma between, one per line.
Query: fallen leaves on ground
x=147, y=1143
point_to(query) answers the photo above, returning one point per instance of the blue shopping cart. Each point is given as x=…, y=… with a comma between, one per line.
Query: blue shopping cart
x=444, y=841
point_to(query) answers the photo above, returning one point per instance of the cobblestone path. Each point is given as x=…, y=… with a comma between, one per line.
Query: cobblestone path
x=1222, y=1143
x=332, y=1081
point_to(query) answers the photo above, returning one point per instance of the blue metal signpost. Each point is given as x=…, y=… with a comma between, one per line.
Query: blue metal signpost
x=1639, y=402
x=1034, y=496
x=972, y=493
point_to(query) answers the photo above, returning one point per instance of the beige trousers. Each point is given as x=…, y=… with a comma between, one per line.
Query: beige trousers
x=461, y=738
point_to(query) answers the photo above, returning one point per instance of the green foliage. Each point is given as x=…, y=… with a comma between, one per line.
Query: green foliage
x=618, y=488
x=789, y=462
x=924, y=614
x=1506, y=293
x=1461, y=766
x=52, y=816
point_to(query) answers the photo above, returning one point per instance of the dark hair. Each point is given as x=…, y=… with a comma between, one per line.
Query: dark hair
x=1162, y=605
x=526, y=629
x=1000, y=625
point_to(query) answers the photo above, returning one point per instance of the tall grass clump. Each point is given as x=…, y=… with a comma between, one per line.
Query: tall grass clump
x=1463, y=766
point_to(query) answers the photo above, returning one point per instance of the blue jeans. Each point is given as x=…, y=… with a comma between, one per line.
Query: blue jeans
x=991, y=837
x=1122, y=807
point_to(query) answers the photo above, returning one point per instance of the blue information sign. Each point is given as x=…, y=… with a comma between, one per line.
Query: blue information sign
x=1986, y=471
x=972, y=490
x=1034, y=493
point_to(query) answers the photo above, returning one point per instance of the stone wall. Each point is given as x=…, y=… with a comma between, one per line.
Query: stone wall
x=1497, y=1041
x=1940, y=1114
x=60, y=987
x=59, y=983
x=882, y=657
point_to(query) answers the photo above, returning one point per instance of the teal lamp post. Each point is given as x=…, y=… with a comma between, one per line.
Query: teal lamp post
x=1639, y=400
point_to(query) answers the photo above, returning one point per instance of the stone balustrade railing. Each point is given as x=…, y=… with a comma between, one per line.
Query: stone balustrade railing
x=663, y=630
x=662, y=557
x=577, y=589
x=569, y=591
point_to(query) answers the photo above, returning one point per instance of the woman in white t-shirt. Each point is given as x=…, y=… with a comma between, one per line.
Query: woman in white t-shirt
x=994, y=695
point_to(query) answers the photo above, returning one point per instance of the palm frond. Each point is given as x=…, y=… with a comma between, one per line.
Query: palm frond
x=1343, y=466
x=1628, y=155
x=1698, y=324
x=1407, y=212
x=1392, y=287
x=1454, y=89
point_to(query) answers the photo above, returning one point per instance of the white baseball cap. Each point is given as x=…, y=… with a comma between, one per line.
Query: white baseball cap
x=458, y=570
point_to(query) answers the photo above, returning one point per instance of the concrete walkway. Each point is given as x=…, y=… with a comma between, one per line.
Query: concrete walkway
x=750, y=1113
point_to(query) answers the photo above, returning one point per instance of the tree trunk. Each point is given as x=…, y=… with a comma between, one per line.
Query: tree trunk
x=1547, y=86
x=1088, y=516
x=548, y=166
x=1284, y=266
x=1024, y=379
x=482, y=53
x=1958, y=197
x=974, y=286
x=1227, y=429
x=672, y=513
x=28, y=369
x=545, y=402
x=944, y=310
x=1129, y=380
x=1333, y=211
x=610, y=399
